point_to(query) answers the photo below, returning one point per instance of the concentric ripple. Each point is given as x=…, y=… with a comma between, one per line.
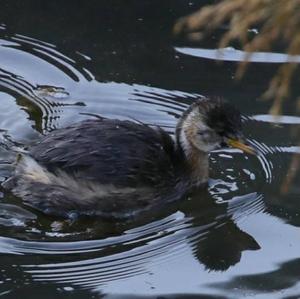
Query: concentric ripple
x=129, y=254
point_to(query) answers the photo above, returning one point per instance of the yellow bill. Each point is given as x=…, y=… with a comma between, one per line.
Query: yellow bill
x=242, y=146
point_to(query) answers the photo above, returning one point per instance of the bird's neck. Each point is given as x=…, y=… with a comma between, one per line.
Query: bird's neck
x=198, y=166
x=196, y=161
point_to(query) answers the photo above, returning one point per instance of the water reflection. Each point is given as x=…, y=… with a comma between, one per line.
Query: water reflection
x=213, y=237
x=231, y=54
x=224, y=246
x=284, y=277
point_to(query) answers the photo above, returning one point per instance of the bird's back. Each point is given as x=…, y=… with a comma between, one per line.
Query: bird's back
x=115, y=152
x=111, y=167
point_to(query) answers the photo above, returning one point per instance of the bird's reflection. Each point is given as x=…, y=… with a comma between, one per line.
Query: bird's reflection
x=222, y=246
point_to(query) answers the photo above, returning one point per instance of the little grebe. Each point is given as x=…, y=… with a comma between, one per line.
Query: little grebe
x=115, y=168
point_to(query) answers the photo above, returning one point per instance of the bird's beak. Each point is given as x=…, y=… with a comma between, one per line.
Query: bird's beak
x=240, y=144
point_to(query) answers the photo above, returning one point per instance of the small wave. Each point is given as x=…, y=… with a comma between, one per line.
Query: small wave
x=263, y=151
x=245, y=205
x=129, y=254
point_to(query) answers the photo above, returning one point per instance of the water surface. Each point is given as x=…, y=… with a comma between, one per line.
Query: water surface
x=61, y=63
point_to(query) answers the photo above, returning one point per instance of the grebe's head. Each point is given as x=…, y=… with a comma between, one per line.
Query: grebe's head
x=209, y=124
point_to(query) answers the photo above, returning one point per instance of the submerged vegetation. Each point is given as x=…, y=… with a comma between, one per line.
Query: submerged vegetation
x=279, y=25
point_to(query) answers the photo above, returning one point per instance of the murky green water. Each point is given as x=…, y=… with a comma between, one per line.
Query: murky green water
x=60, y=62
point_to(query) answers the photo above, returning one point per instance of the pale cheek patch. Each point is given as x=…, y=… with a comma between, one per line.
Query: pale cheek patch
x=191, y=140
x=188, y=134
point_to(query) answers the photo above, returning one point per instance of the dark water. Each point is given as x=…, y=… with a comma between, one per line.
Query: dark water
x=63, y=60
